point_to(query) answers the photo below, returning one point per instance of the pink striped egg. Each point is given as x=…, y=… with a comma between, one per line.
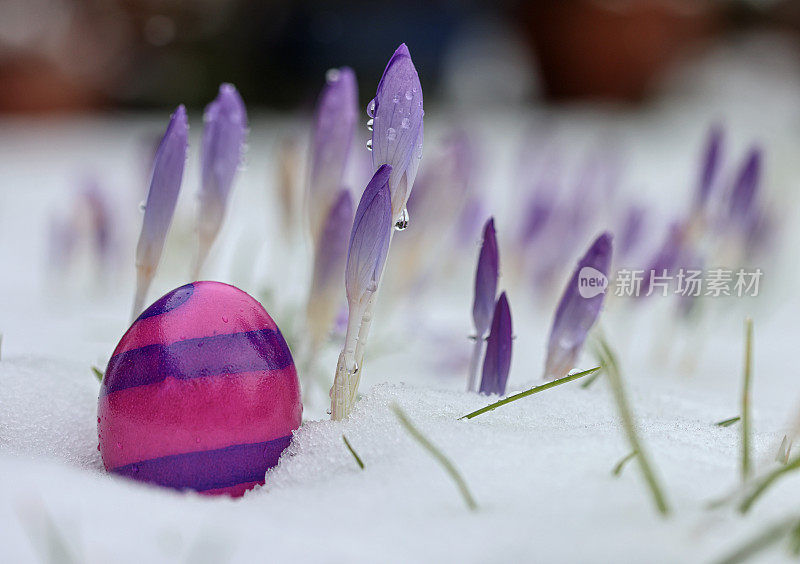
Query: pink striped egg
x=201, y=393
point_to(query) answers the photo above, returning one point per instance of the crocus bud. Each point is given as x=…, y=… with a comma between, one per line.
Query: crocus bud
x=160, y=205
x=397, y=126
x=710, y=164
x=221, y=148
x=329, y=262
x=632, y=227
x=486, y=280
x=578, y=309
x=745, y=186
x=497, y=361
x=334, y=128
x=369, y=239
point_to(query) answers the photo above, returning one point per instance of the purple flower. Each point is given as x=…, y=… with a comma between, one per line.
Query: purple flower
x=161, y=199
x=668, y=255
x=497, y=361
x=369, y=239
x=164, y=187
x=220, y=155
x=486, y=280
x=536, y=217
x=329, y=263
x=631, y=230
x=745, y=186
x=576, y=314
x=710, y=164
x=334, y=128
x=397, y=125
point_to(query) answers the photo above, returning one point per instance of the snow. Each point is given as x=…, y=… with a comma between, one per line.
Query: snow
x=539, y=468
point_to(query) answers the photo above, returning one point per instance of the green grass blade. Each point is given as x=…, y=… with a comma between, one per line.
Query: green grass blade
x=764, y=483
x=728, y=422
x=772, y=535
x=619, y=466
x=526, y=393
x=97, y=373
x=438, y=455
x=748, y=375
x=629, y=427
x=353, y=452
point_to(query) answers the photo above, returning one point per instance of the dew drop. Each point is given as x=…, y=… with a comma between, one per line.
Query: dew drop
x=370, y=124
x=119, y=445
x=402, y=222
x=372, y=286
x=142, y=206
x=371, y=108
x=396, y=98
x=409, y=95
x=369, y=144
x=332, y=75
x=406, y=123
x=391, y=134
x=197, y=439
x=224, y=319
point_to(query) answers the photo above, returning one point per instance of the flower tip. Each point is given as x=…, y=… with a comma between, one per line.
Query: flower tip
x=180, y=114
x=402, y=51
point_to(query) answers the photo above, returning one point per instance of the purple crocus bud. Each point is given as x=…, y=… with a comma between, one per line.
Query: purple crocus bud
x=329, y=263
x=632, y=228
x=369, y=239
x=160, y=205
x=578, y=309
x=397, y=126
x=710, y=164
x=334, y=128
x=668, y=255
x=746, y=185
x=497, y=361
x=536, y=217
x=221, y=148
x=486, y=280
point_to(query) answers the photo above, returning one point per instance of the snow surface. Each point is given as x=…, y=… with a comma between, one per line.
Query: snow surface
x=540, y=468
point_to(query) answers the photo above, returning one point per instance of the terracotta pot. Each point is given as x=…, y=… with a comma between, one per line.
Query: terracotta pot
x=611, y=49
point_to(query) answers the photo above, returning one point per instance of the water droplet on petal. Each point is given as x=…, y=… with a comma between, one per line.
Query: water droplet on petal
x=370, y=124
x=391, y=134
x=332, y=75
x=396, y=98
x=409, y=95
x=371, y=108
x=402, y=222
x=406, y=123
x=369, y=144
x=142, y=206
x=372, y=286
x=224, y=319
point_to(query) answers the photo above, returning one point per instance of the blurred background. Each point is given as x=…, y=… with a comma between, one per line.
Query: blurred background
x=76, y=55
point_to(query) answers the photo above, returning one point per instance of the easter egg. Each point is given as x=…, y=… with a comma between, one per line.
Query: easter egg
x=201, y=393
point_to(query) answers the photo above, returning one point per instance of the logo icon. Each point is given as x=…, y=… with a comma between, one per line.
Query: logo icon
x=591, y=282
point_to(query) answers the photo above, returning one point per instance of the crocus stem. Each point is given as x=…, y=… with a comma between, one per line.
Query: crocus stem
x=748, y=370
x=202, y=254
x=144, y=276
x=629, y=427
x=346, y=370
x=474, y=362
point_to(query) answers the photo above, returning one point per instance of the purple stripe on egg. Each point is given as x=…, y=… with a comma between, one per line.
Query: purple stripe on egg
x=233, y=353
x=168, y=302
x=209, y=469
